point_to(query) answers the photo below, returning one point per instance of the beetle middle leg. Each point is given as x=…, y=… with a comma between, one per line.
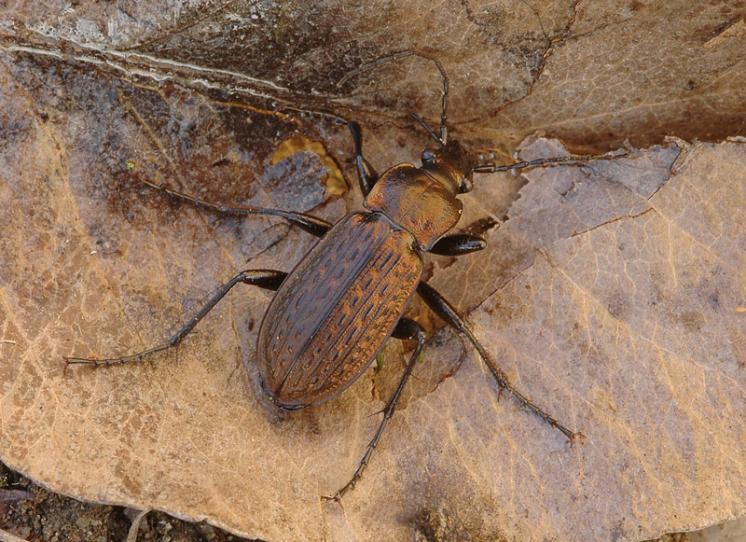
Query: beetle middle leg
x=440, y=306
x=264, y=278
x=406, y=329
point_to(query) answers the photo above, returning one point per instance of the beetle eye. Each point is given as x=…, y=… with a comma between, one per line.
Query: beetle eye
x=427, y=157
x=465, y=186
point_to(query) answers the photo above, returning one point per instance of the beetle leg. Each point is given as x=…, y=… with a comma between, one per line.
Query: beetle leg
x=406, y=329
x=445, y=310
x=311, y=224
x=264, y=278
x=365, y=173
x=458, y=245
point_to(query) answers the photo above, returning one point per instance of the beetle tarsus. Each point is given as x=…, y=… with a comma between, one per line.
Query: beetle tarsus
x=108, y=362
x=504, y=383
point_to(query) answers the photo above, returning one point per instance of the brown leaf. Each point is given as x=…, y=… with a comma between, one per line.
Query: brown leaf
x=611, y=293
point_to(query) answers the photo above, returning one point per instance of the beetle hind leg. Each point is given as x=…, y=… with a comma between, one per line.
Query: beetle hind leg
x=264, y=278
x=445, y=310
x=406, y=329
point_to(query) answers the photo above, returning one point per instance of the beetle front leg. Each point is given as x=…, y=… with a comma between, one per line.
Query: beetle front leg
x=440, y=306
x=406, y=329
x=264, y=278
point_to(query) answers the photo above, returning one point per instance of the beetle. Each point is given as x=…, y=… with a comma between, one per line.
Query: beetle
x=334, y=311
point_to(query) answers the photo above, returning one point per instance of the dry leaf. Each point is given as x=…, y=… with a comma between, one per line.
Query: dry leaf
x=613, y=294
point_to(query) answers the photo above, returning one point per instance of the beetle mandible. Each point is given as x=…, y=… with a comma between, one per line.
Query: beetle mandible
x=334, y=311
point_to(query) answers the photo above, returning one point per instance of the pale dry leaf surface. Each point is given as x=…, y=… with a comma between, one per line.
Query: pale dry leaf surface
x=612, y=293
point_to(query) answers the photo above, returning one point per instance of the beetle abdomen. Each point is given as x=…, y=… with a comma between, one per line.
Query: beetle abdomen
x=336, y=309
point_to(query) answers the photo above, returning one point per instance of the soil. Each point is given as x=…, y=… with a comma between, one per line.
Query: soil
x=35, y=514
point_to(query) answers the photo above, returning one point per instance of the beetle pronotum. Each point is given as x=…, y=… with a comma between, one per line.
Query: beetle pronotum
x=334, y=311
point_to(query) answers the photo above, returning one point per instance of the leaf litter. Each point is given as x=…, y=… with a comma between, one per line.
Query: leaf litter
x=611, y=293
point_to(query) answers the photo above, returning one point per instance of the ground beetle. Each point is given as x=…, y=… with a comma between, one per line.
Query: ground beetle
x=335, y=310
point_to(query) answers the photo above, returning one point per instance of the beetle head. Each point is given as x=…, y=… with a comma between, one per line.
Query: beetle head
x=450, y=164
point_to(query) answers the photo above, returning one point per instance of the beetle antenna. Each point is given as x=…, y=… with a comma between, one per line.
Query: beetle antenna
x=443, y=138
x=573, y=160
x=427, y=128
